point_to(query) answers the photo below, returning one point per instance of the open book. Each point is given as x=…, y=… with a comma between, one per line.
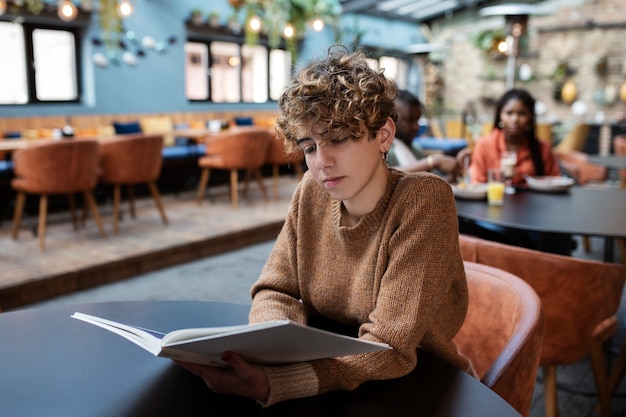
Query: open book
x=274, y=342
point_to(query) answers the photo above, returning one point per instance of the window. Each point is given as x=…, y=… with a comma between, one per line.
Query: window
x=228, y=72
x=53, y=75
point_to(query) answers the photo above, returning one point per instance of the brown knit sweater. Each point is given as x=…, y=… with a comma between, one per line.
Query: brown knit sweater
x=397, y=275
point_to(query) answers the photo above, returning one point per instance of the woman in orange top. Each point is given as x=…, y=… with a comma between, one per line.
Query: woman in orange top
x=514, y=130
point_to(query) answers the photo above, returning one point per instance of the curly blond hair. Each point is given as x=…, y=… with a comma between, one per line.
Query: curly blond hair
x=336, y=94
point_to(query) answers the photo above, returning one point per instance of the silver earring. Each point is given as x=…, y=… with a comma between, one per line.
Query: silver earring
x=385, y=156
x=500, y=124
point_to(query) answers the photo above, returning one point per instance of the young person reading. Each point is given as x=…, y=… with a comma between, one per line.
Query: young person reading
x=364, y=246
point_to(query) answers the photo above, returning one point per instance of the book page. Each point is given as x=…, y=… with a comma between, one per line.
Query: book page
x=147, y=339
x=191, y=334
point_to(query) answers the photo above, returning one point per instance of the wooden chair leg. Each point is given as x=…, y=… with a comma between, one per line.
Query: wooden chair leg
x=618, y=369
x=234, y=188
x=157, y=200
x=131, y=201
x=17, y=214
x=586, y=244
x=41, y=229
x=246, y=182
x=259, y=178
x=598, y=365
x=71, y=203
x=275, y=172
x=204, y=180
x=550, y=396
x=117, y=193
x=93, y=207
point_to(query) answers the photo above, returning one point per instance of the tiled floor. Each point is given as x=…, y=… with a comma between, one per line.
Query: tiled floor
x=195, y=232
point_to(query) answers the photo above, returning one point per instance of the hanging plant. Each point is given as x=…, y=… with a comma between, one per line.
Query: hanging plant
x=278, y=15
x=488, y=40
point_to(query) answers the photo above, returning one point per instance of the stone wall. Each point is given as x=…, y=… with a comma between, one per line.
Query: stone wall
x=579, y=32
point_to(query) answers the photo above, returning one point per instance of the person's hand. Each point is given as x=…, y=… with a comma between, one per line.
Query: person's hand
x=243, y=378
x=448, y=165
x=462, y=155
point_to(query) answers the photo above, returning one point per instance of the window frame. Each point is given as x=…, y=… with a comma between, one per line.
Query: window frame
x=49, y=21
x=206, y=35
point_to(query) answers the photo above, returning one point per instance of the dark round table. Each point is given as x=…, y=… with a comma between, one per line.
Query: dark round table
x=55, y=365
x=580, y=211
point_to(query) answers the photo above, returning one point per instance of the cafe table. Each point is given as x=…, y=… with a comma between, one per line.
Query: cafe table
x=579, y=211
x=54, y=365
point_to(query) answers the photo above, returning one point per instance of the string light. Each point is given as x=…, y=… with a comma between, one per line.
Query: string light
x=67, y=10
x=318, y=25
x=125, y=8
x=255, y=23
x=289, y=31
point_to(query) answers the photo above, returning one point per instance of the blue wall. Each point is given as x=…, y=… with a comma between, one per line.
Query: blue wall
x=156, y=83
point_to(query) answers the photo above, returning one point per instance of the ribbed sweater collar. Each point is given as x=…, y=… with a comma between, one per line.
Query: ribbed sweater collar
x=369, y=223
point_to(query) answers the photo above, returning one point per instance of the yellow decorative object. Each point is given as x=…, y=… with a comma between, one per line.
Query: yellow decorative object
x=569, y=92
x=622, y=92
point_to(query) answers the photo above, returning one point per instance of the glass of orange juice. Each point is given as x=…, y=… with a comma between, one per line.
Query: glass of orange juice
x=495, y=187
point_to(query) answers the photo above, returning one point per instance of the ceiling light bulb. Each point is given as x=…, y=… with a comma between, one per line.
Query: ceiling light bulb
x=318, y=24
x=289, y=31
x=125, y=8
x=254, y=23
x=3, y=7
x=503, y=47
x=67, y=11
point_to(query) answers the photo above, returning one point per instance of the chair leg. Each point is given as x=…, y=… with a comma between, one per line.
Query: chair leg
x=234, y=188
x=275, y=172
x=131, y=201
x=246, y=182
x=622, y=248
x=91, y=203
x=41, y=229
x=550, y=396
x=586, y=244
x=70, y=200
x=117, y=193
x=204, y=180
x=157, y=200
x=618, y=370
x=598, y=364
x=17, y=215
x=259, y=178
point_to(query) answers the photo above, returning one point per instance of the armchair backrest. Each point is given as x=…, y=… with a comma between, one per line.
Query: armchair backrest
x=579, y=296
x=57, y=167
x=502, y=333
x=241, y=148
x=131, y=159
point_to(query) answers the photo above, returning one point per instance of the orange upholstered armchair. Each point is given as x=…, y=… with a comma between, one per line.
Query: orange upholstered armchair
x=55, y=167
x=619, y=146
x=503, y=333
x=278, y=156
x=131, y=160
x=580, y=299
x=240, y=149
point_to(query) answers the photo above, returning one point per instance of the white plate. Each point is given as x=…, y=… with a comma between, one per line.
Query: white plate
x=470, y=191
x=549, y=183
